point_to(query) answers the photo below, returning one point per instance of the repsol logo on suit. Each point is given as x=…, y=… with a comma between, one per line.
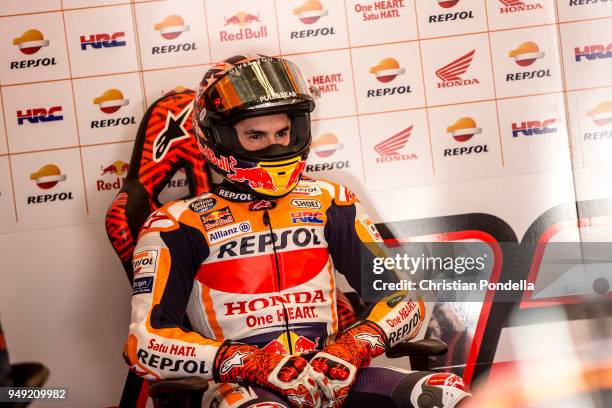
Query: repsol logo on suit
x=265, y=243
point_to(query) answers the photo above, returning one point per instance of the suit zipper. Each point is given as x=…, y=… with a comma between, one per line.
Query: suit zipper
x=266, y=221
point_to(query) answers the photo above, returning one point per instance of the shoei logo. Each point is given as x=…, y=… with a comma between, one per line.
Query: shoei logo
x=242, y=18
x=389, y=148
x=173, y=131
x=447, y=3
x=310, y=11
x=387, y=70
x=48, y=176
x=111, y=101
x=601, y=114
x=171, y=27
x=38, y=115
x=463, y=129
x=30, y=42
x=450, y=74
x=512, y=6
x=325, y=145
x=526, y=54
x=98, y=41
x=593, y=52
x=534, y=127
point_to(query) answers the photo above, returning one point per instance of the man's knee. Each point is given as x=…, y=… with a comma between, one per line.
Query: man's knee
x=427, y=390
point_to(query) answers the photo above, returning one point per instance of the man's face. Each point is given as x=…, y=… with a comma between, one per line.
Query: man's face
x=262, y=131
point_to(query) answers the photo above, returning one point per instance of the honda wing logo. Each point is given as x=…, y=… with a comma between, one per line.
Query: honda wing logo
x=458, y=67
x=510, y=3
x=390, y=146
x=173, y=131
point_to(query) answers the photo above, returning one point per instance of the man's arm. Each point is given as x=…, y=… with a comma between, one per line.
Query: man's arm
x=166, y=260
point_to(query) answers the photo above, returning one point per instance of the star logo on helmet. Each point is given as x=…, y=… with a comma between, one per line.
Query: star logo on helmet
x=298, y=400
x=236, y=360
x=173, y=131
x=332, y=402
x=372, y=340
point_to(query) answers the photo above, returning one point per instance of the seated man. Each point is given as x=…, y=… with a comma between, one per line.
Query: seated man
x=251, y=265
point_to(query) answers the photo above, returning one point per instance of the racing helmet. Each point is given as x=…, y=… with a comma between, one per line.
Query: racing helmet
x=246, y=86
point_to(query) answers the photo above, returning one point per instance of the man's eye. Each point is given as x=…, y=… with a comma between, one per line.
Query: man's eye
x=282, y=134
x=254, y=137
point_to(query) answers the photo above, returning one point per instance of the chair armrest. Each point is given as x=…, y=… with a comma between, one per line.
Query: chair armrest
x=180, y=385
x=424, y=347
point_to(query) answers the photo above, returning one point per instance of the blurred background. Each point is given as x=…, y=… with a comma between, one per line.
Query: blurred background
x=462, y=120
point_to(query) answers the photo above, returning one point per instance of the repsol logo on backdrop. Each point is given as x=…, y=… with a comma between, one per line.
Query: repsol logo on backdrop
x=166, y=49
x=49, y=198
x=33, y=63
x=459, y=15
x=265, y=243
x=462, y=151
x=318, y=32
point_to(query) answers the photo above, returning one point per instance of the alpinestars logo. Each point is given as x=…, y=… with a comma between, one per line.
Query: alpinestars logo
x=450, y=74
x=389, y=148
x=512, y=6
x=172, y=132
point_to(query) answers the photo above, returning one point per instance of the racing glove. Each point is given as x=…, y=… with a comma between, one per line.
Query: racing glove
x=393, y=319
x=284, y=374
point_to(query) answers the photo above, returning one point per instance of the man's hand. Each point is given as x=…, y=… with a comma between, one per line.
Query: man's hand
x=339, y=362
x=284, y=374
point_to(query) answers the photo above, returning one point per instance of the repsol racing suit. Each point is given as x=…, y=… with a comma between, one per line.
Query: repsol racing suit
x=227, y=266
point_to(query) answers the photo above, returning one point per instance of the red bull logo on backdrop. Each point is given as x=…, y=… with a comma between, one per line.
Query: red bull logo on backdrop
x=593, y=52
x=534, y=127
x=309, y=13
x=117, y=170
x=513, y=6
x=451, y=73
x=389, y=148
x=171, y=28
x=247, y=26
x=29, y=43
x=99, y=41
x=39, y=115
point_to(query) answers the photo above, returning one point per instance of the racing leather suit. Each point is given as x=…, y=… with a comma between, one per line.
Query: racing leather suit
x=239, y=268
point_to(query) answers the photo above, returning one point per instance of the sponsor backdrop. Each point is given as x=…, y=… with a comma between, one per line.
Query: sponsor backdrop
x=428, y=108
